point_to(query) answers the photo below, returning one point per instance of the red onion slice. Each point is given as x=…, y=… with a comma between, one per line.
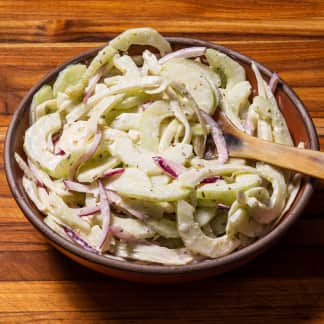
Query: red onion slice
x=273, y=83
x=93, y=148
x=184, y=53
x=173, y=169
x=113, y=172
x=60, y=152
x=145, y=105
x=116, y=201
x=212, y=179
x=76, y=186
x=105, y=212
x=218, y=137
x=39, y=183
x=30, y=171
x=87, y=211
x=78, y=240
x=223, y=206
x=56, y=137
x=92, y=84
x=248, y=127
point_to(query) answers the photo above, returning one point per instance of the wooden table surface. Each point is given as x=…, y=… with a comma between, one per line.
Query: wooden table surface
x=285, y=285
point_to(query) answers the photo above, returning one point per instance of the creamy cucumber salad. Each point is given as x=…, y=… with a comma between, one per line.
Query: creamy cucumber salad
x=123, y=157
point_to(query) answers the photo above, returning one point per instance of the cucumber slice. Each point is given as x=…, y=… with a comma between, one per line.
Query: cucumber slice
x=158, y=180
x=43, y=94
x=206, y=203
x=147, y=209
x=134, y=183
x=226, y=193
x=230, y=71
x=169, y=192
x=131, y=175
x=164, y=227
x=95, y=168
x=212, y=76
x=70, y=76
x=196, y=80
x=141, y=36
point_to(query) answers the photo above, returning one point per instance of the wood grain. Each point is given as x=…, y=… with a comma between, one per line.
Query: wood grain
x=278, y=300
x=284, y=285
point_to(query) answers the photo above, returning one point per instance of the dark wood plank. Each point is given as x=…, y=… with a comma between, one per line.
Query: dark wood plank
x=246, y=9
x=58, y=29
x=312, y=315
x=68, y=20
x=229, y=299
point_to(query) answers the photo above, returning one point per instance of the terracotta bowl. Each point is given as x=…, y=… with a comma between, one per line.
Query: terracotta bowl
x=301, y=128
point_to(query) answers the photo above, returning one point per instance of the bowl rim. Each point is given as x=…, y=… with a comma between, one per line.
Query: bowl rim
x=235, y=257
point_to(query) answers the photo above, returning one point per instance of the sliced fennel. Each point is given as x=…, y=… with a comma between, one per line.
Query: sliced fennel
x=195, y=240
x=35, y=146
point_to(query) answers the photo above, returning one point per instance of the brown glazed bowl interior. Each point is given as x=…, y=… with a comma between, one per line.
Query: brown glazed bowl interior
x=300, y=126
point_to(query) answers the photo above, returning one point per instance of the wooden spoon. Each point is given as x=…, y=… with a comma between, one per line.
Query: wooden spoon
x=242, y=145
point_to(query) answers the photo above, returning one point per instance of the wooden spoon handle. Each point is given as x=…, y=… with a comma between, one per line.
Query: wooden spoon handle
x=302, y=160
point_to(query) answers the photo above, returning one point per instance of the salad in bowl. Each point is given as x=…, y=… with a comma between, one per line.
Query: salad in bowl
x=124, y=158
